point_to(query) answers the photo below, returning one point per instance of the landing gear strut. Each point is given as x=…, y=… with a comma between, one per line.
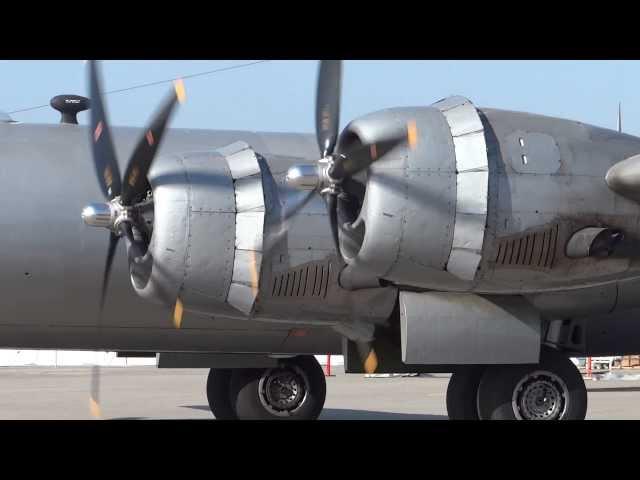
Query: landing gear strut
x=550, y=390
x=294, y=390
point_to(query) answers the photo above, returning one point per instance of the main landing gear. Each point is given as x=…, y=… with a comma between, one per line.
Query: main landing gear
x=550, y=390
x=294, y=390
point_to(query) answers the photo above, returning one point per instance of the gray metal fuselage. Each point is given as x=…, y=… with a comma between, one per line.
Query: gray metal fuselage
x=52, y=263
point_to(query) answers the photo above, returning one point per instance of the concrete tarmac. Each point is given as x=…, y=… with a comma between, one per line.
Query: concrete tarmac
x=35, y=393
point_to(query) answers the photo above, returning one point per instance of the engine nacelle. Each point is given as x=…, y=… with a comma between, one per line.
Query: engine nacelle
x=206, y=247
x=425, y=209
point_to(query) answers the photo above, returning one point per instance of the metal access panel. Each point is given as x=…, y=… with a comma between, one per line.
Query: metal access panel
x=462, y=328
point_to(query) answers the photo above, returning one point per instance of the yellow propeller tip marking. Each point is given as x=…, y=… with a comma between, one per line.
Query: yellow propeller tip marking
x=180, y=91
x=254, y=274
x=177, y=314
x=133, y=177
x=371, y=363
x=108, y=176
x=412, y=134
x=94, y=408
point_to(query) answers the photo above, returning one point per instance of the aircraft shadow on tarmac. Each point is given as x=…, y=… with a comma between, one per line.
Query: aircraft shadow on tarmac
x=346, y=414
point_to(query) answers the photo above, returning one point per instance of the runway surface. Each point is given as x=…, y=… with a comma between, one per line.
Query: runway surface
x=35, y=393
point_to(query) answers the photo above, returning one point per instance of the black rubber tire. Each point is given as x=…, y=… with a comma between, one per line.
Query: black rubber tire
x=218, y=394
x=246, y=400
x=462, y=393
x=498, y=383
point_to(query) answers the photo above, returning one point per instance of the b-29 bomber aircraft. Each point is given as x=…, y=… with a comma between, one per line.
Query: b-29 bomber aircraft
x=490, y=244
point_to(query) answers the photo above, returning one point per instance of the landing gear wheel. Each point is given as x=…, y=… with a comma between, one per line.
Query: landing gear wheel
x=462, y=393
x=295, y=390
x=551, y=390
x=218, y=384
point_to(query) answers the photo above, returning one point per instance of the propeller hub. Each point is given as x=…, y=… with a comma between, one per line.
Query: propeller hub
x=99, y=215
x=305, y=177
x=107, y=215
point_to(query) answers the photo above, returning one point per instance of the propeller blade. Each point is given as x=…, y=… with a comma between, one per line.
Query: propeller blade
x=133, y=247
x=113, y=243
x=360, y=158
x=135, y=177
x=104, y=156
x=111, y=251
x=273, y=237
x=293, y=211
x=94, y=396
x=332, y=207
x=94, y=399
x=328, y=105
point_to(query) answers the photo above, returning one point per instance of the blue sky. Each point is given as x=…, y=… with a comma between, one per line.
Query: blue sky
x=279, y=95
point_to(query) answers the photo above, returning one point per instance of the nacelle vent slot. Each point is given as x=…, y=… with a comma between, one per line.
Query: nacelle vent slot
x=307, y=281
x=535, y=249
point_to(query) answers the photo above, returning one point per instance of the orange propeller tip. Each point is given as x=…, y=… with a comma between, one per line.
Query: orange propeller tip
x=254, y=274
x=412, y=134
x=94, y=408
x=180, y=91
x=178, y=311
x=371, y=363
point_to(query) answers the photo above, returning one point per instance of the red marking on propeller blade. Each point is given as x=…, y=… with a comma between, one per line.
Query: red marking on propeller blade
x=374, y=151
x=150, y=139
x=98, y=131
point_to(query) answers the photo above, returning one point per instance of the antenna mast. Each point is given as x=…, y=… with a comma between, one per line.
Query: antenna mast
x=620, y=117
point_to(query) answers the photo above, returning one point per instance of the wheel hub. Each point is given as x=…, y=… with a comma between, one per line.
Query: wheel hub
x=283, y=391
x=541, y=395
